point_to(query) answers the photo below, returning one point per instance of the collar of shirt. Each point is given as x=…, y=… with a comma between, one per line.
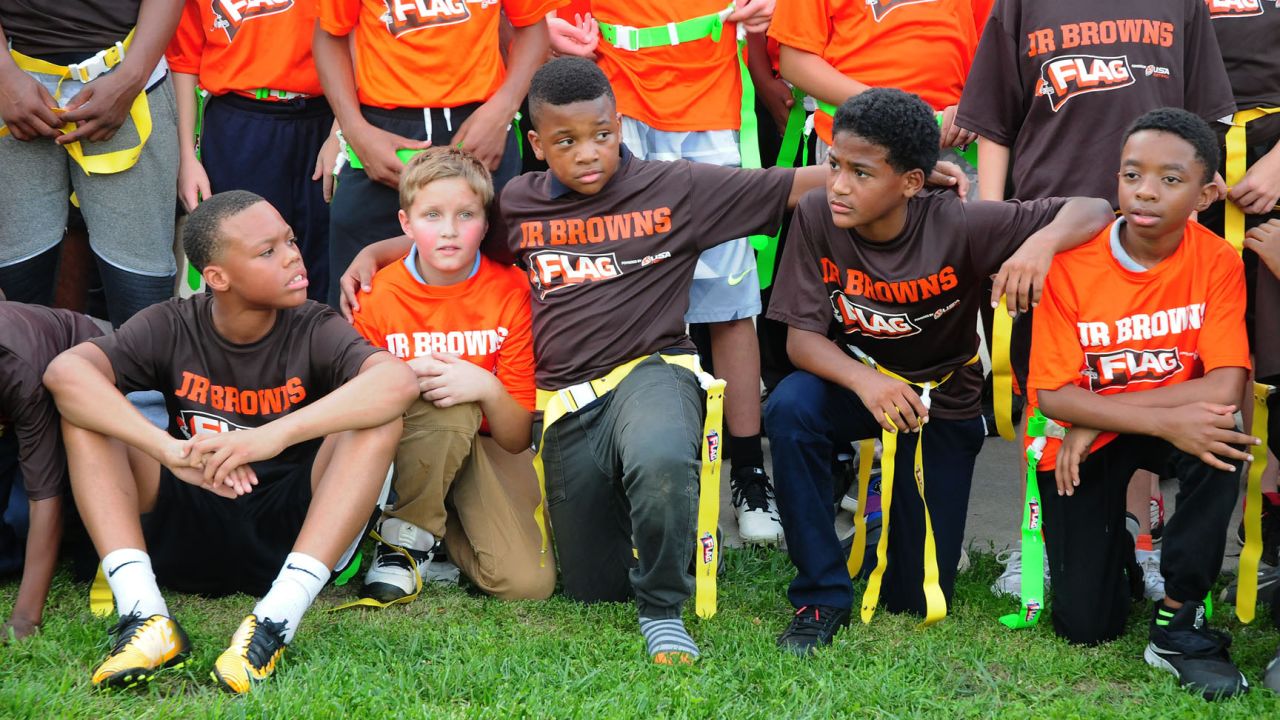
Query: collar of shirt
x=1119, y=253
x=411, y=262
x=559, y=189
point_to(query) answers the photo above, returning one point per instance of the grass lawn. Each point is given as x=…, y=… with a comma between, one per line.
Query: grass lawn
x=450, y=654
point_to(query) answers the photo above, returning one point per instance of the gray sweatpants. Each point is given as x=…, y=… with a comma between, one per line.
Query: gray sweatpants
x=130, y=214
x=622, y=473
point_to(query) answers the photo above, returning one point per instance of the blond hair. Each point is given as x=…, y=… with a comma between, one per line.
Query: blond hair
x=442, y=163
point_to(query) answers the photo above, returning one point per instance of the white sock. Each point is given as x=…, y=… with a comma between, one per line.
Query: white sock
x=133, y=583
x=295, y=588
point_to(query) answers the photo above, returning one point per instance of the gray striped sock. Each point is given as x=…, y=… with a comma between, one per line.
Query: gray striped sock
x=667, y=635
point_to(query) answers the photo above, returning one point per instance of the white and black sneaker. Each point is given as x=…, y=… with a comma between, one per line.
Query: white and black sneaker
x=1195, y=654
x=1268, y=584
x=392, y=578
x=754, y=506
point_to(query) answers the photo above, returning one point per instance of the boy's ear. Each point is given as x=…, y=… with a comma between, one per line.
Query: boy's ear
x=912, y=182
x=404, y=222
x=536, y=145
x=215, y=277
x=1208, y=196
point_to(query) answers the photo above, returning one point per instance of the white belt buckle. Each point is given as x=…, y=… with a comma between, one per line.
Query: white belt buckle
x=581, y=395
x=89, y=69
x=672, y=34
x=627, y=38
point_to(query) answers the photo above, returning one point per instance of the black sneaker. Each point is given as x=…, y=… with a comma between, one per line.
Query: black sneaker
x=1195, y=654
x=1268, y=584
x=812, y=627
x=753, y=504
x=1270, y=532
x=1271, y=677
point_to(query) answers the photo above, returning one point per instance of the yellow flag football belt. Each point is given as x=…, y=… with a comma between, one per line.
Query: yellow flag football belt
x=1247, y=589
x=935, y=601
x=85, y=72
x=555, y=404
x=1237, y=165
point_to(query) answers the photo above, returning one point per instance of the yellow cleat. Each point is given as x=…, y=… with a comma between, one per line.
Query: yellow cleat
x=143, y=647
x=255, y=649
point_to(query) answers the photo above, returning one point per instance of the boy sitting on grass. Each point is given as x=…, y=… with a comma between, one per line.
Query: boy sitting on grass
x=283, y=421
x=1140, y=347
x=462, y=322
x=895, y=275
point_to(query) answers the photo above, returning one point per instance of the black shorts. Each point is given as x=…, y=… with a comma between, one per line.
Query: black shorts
x=202, y=543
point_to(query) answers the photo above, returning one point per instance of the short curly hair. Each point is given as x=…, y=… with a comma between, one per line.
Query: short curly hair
x=202, y=233
x=1189, y=127
x=897, y=121
x=564, y=81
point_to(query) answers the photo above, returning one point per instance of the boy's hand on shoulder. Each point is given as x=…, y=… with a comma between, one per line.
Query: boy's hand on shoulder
x=1206, y=431
x=1021, y=278
x=1073, y=451
x=893, y=403
x=949, y=175
x=1265, y=241
x=448, y=380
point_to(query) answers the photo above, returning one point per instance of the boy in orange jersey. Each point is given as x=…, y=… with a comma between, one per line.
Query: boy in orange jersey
x=264, y=120
x=463, y=468
x=1140, y=349
x=405, y=74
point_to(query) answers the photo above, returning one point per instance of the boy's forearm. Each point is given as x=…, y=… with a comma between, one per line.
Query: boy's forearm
x=816, y=76
x=157, y=21
x=993, y=169
x=385, y=252
x=510, y=425
x=817, y=355
x=337, y=76
x=758, y=58
x=89, y=399
x=529, y=46
x=1078, y=406
x=380, y=393
x=806, y=179
x=44, y=535
x=1076, y=222
x=1224, y=386
x=184, y=90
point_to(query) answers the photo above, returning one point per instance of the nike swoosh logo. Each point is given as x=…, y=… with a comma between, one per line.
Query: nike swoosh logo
x=734, y=280
x=291, y=566
x=112, y=572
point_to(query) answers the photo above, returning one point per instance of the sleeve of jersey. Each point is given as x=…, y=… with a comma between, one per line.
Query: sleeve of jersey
x=997, y=229
x=800, y=296
x=1223, y=339
x=523, y=13
x=365, y=322
x=731, y=202
x=140, y=348
x=991, y=104
x=515, y=358
x=187, y=46
x=338, y=17
x=44, y=471
x=1208, y=89
x=337, y=350
x=1056, y=355
x=802, y=24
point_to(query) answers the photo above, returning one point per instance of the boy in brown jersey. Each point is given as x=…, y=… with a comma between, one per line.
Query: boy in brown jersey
x=268, y=508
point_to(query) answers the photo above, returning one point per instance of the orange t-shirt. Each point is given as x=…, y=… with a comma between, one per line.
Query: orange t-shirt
x=484, y=319
x=1112, y=330
x=689, y=87
x=427, y=53
x=921, y=46
x=239, y=45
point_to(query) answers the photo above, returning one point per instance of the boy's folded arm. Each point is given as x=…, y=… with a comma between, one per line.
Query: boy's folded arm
x=82, y=382
x=816, y=76
x=893, y=403
x=1223, y=386
x=1077, y=221
x=510, y=424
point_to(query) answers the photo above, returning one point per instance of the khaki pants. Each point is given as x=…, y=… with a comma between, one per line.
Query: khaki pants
x=457, y=484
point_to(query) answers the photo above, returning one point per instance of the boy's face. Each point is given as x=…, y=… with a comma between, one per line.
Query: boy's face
x=447, y=224
x=579, y=142
x=864, y=191
x=1161, y=184
x=260, y=260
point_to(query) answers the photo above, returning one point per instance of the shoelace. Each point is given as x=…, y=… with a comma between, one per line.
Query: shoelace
x=124, y=630
x=388, y=557
x=266, y=638
x=752, y=489
x=808, y=622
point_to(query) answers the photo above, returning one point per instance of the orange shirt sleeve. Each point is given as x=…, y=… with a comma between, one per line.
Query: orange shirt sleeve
x=523, y=13
x=515, y=358
x=1056, y=354
x=339, y=17
x=187, y=46
x=802, y=24
x=1223, y=340
x=365, y=323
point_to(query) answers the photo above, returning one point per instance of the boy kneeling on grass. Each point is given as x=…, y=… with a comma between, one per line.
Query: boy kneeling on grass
x=1140, y=348
x=462, y=321
x=315, y=412
x=894, y=274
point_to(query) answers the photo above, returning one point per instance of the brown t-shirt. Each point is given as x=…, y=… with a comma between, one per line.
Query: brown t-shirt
x=213, y=385
x=31, y=336
x=911, y=303
x=1060, y=82
x=37, y=27
x=610, y=272
x=1248, y=33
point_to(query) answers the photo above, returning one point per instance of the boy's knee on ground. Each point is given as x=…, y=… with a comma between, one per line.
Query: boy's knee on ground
x=519, y=577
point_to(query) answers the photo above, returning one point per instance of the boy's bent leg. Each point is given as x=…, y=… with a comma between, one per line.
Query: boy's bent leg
x=435, y=445
x=1194, y=541
x=492, y=534
x=950, y=450
x=1088, y=547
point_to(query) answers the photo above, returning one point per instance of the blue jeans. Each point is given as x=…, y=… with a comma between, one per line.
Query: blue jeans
x=807, y=419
